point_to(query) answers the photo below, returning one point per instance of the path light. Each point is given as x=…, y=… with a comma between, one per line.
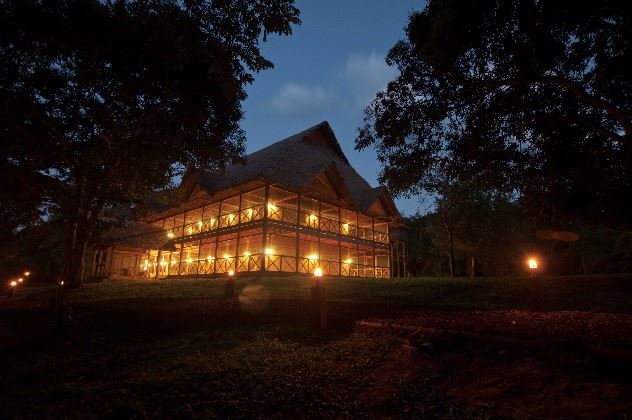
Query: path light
x=533, y=264
x=318, y=272
x=231, y=273
x=20, y=280
x=11, y=290
x=27, y=273
x=13, y=283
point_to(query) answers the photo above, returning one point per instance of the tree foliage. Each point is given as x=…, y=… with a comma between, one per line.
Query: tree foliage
x=531, y=98
x=101, y=101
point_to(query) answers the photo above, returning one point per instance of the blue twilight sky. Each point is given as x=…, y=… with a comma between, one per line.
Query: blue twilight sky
x=328, y=69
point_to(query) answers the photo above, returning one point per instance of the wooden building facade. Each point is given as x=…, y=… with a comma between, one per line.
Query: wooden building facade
x=289, y=208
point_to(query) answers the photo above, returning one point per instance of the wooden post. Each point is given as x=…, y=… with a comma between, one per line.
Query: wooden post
x=319, y=305
x=229, y=286
x=264, y=229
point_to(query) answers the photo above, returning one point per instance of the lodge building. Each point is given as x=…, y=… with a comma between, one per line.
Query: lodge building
x=291, y=207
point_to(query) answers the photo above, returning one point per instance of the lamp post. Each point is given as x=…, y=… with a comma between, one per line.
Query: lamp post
x=536, y=292
x=12, y=285
x=229, y=286
x=319, y=303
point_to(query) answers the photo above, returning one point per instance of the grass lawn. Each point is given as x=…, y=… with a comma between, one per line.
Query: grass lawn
x=586, y=293
x=175, y=349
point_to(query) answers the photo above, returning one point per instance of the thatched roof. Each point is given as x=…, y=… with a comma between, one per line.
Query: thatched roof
x=136, y=235
x=294, y=162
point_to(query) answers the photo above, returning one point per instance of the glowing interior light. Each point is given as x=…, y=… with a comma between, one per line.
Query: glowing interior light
x=348, y=261
x=249, y=212
x=533, y=263
x=269, y=251
x=20, y=280
x=226, y=256
x=173, y=262
x=312, y=257
x=345, y=228
x=247, y=254
x=318, y=272
x=190, y=230
x=189, y=260
x=209, y=258
x=14, y=283
x=200, y=224
x=27, y=273
x=213, y=221
x=271, y=206
x=170, y=235
x=231, y=273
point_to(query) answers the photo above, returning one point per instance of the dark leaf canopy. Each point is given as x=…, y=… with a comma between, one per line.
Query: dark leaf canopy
x=529, y=97
x=107, y=98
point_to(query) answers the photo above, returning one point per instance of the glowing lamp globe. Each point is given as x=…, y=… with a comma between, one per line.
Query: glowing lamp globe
x=318, y=272
x=533, y=264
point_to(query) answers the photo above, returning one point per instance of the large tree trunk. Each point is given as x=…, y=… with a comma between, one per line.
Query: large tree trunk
x=448, y=230
x=82, y=227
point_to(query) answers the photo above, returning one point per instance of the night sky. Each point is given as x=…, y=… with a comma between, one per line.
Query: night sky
x=329, y=69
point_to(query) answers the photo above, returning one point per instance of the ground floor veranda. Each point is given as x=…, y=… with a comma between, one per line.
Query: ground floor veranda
x=249, y=249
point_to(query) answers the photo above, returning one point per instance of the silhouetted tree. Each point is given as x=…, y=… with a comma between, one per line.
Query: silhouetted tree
x=101, y=102
x=533, y=97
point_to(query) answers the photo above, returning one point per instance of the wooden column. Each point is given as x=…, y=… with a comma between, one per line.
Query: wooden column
x=339, y=243
x=264, y=229
x=219, y=217
x=298, y=222
x=184, y=216
x=238, y=236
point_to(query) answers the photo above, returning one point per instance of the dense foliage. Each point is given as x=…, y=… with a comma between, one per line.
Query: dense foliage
x=102, y=101
x=527, y=98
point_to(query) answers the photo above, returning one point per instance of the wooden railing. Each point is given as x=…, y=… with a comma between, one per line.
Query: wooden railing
x=280, y=214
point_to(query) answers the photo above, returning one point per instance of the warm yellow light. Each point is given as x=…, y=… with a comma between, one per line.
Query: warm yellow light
x=533, y=263
x=20, y=280
x=312, y=257
x=190, y=230
x=271, y=206
x=27, y=273
x=13, y=283
x=200, y=224
x=213, y=221
x=249, y=212
x=189, y=260
x=62, y=283
x=173, y=262
x=345, y=228
x=247, y=254
x=348, y=261
x=318, y=272
x=231, y=216
x=226, y=256
x=231, y=273
x=209, y=258
x=269, y=251
x=170, y=235
x=313, y=217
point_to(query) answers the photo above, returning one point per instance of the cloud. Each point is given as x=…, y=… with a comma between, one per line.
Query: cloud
x=366, y=75
x=295, y=99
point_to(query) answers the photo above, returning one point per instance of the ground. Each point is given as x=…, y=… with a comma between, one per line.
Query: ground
x=176, y=348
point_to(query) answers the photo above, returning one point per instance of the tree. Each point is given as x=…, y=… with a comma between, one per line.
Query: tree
x=528, y=96
x=103, y=101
